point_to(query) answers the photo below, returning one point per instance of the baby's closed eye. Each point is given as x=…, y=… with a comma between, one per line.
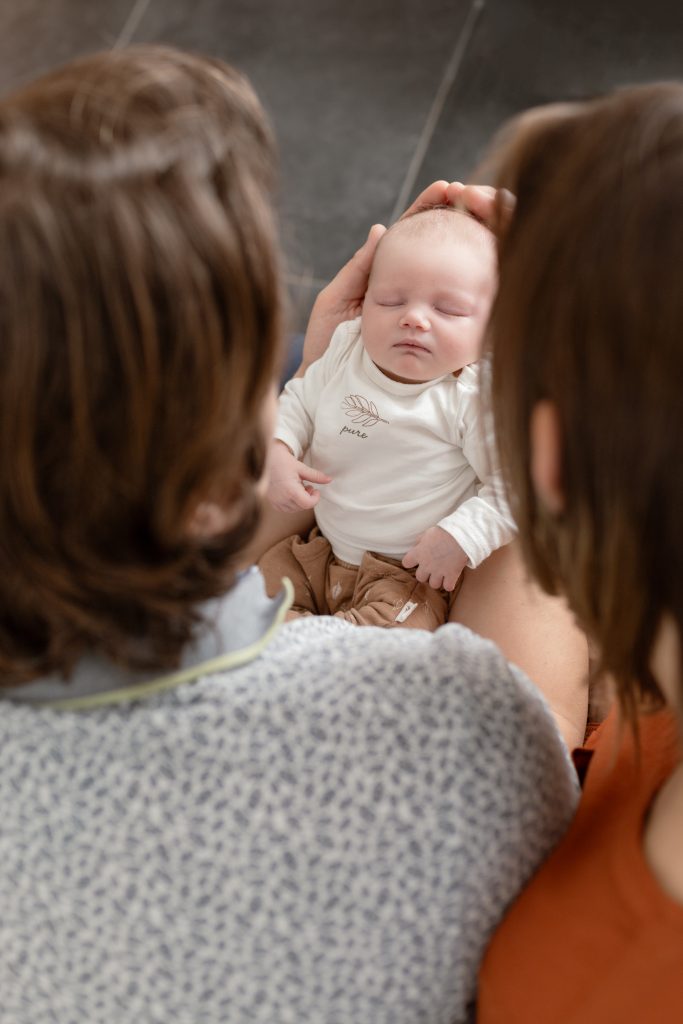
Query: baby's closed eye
x=452, y=310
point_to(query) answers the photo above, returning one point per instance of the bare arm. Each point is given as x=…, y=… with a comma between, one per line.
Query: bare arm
x=536, y=632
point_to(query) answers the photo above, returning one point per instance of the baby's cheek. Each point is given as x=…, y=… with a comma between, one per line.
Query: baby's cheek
x=373, y=331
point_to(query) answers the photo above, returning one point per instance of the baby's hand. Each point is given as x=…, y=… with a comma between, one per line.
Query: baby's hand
x=438, y=557
x=289, y=481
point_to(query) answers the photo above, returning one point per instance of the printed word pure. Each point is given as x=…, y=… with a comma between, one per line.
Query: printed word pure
x=356, y=433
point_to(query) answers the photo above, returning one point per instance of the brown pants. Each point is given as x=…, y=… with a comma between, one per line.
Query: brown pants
x=378, y=592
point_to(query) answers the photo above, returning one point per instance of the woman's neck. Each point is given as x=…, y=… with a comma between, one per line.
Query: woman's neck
x=663, y=836
x=666, y=666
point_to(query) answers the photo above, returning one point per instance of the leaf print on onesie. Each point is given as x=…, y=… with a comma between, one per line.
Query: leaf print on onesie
x=361, y=410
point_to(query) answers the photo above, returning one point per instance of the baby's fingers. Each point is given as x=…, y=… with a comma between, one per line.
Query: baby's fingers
x=314, y=476
x=410, y=559
x=422, y=574
x=305, y=498
x=313, y=496
x=294, y=496
x=436, y=581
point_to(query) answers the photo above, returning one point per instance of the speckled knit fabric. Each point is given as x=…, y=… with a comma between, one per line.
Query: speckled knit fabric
x=326, y=835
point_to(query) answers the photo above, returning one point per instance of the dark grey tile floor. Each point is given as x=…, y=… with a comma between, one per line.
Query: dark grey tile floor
x=371, y=99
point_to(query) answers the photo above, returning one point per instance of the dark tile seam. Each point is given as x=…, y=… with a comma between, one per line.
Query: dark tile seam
x=305, y=280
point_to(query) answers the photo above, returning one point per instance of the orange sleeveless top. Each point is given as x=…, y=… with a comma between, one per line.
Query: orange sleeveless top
x=593, y=939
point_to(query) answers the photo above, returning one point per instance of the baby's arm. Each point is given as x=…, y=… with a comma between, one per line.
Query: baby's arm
x=289, y=480
x=482, y=523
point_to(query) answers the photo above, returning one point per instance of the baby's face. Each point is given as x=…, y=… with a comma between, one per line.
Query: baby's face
x=427, y=304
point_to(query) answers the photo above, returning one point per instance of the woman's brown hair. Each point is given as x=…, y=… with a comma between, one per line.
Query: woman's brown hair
x=589, y=315
x=139, y=337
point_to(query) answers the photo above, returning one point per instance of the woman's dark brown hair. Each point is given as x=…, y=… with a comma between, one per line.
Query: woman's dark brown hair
x=589, y=315
x=139, y=337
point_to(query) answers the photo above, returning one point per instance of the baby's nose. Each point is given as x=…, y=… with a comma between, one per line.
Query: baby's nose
x=415, y=316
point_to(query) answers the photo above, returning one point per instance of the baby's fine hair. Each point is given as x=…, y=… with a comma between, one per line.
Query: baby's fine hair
x=445, y=221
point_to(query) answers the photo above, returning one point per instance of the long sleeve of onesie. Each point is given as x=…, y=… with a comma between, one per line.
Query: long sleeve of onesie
x=482, y=523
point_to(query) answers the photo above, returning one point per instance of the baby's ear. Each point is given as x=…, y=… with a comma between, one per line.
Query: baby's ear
x=545, y=439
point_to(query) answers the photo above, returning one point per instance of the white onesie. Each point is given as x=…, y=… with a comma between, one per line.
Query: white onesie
x=402, y=457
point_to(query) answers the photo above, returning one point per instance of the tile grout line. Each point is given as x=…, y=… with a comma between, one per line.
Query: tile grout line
x=131, y=24
x=449, y=76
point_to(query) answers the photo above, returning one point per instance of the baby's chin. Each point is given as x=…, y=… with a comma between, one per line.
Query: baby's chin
x=416, y=379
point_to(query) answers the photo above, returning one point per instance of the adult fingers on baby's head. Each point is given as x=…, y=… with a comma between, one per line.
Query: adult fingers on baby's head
x=365, y=255
x=454, y=190
x=477, y=200
x=433, y=195
x=348, y=287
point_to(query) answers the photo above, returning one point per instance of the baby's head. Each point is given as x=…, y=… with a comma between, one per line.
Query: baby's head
x=429, y=295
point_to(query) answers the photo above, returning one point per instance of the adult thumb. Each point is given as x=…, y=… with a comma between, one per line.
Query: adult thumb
x=364, y=256
x=352, y=280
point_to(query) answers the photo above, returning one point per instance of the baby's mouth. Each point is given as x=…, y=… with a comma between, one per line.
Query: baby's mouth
x=411, y=344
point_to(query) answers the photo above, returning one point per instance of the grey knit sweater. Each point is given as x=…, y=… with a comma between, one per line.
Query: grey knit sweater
x=325, y=835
